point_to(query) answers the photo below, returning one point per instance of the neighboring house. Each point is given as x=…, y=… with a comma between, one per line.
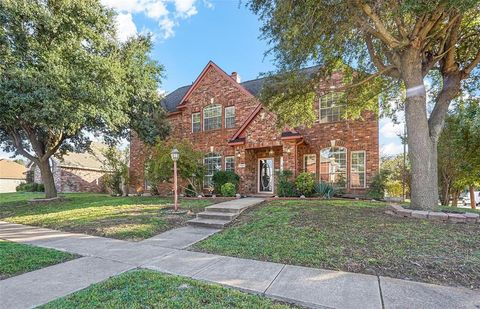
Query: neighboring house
x=224, y=119
x=77, y=172
x=11, y=175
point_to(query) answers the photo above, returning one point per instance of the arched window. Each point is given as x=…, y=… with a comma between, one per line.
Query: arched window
x=333, y=166
x=212, y=117
x=213, y=163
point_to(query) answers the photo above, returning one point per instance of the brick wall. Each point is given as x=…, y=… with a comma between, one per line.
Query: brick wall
x=262, y=136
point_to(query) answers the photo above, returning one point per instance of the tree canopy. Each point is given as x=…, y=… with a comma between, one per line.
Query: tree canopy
x=385, y=51
x=65, y=77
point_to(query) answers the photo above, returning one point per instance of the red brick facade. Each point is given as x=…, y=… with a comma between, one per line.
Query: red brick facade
x=256, y=136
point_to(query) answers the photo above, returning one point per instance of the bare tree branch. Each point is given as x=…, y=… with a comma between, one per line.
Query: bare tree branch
x=17, y=141
x=468, y=69
x=381, y=31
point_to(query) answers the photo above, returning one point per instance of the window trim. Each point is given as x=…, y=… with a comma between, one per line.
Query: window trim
x=225, y=163
x=199, y=121
x=305, y=156
x=225, y=117
x=205, y=118
x=205, y=157
x=364, y=169
x=338, y=94
x=347, y=181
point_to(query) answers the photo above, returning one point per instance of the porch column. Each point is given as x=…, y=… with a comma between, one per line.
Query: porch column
x=289, y=156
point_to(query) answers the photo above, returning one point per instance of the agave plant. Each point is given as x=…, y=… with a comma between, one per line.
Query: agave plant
x=324, y=190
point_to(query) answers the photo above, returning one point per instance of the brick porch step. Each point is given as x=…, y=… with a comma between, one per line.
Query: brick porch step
x=217, y=215
x=212, y=223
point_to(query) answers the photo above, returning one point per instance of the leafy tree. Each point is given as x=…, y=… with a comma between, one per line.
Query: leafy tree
x=395, y=174
x=159, y=167
x=458, y=159
x=64, y=77
x=116, y=163
x=385, y=48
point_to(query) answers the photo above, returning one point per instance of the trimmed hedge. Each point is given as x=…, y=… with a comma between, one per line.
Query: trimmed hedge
x=30, y=187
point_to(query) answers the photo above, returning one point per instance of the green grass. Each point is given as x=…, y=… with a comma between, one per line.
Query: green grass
x=16, y=258
x=353, y=236
x=130, y=218
x=150, y=289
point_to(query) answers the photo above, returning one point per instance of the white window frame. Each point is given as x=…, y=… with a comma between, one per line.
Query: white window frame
x=305, y=156
x=225, y=163
x=199, y=121
x=210, y=155
x=364, y=169
x=329, y=173
x=226, y=109
x=219, y=107
x=334, y=96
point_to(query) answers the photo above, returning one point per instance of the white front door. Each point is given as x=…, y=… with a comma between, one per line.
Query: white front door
x=265, y=175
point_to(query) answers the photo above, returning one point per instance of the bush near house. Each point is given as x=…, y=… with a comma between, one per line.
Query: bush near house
x=228, y=189
x=222, y=177
x=305, y=183
x=30, y=187
x=285, y=184
x=324, y=190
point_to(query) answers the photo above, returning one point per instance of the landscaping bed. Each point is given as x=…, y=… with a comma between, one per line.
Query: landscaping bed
x=150, y=289
x=355, y=236
x=16, y=259
x=128, y=218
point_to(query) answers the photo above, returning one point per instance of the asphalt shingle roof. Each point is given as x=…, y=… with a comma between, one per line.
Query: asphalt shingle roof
x=254, y=86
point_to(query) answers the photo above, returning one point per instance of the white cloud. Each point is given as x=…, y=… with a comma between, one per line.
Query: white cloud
x=167, y=13
x=125, y=26
x=390, y=129
x=391, y=149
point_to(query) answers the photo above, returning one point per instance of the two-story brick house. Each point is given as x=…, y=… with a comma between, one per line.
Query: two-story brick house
x=224, y=119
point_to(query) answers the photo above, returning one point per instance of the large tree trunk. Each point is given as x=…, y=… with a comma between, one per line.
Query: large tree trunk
x=47, y=178
x=473, y=202
x=422, y=149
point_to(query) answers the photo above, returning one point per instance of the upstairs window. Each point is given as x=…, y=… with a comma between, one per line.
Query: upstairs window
x=357, y=169
x=196, y=123
x=330, y=108
x=230, y=117
x=213, y=163
x=212, y=117
x=333, y=166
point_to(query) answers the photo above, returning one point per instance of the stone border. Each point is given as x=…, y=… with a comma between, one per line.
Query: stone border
x=399, y=211
x=36, y=201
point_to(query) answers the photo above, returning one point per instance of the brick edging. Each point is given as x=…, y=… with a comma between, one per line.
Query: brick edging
x=399, y=211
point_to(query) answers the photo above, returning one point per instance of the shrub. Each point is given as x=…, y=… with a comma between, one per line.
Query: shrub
x=305, y=183
x=285, y=184
x=377, y=186
x=190, y=191
x=324, y=189
x=30, y=187
x=222, y=177
x=228, y=189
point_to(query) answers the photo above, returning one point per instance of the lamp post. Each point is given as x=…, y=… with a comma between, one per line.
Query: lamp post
x=175, y=155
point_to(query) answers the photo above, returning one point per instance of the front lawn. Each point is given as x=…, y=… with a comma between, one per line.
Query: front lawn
x=130, y=218
x=16, y=259
x=150, y=289
x=354, y=236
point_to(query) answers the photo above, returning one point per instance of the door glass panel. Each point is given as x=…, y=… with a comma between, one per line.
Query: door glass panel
x=266, y=173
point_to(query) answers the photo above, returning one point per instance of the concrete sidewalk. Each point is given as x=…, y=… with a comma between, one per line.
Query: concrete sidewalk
x=305, y=286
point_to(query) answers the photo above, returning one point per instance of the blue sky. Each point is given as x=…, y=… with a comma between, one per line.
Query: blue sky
x=189, y=33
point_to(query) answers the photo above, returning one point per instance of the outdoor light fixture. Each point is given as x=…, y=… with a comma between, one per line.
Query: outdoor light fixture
x=211, y=148
x=271, y=152
x=175, y=155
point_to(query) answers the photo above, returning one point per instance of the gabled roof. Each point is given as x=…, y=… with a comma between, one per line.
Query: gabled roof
x=11, y=170
x=253, y=87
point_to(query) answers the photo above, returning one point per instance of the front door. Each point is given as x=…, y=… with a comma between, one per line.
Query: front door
x=265, y=175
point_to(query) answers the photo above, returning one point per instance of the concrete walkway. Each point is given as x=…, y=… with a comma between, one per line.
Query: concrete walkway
x=305, y=286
